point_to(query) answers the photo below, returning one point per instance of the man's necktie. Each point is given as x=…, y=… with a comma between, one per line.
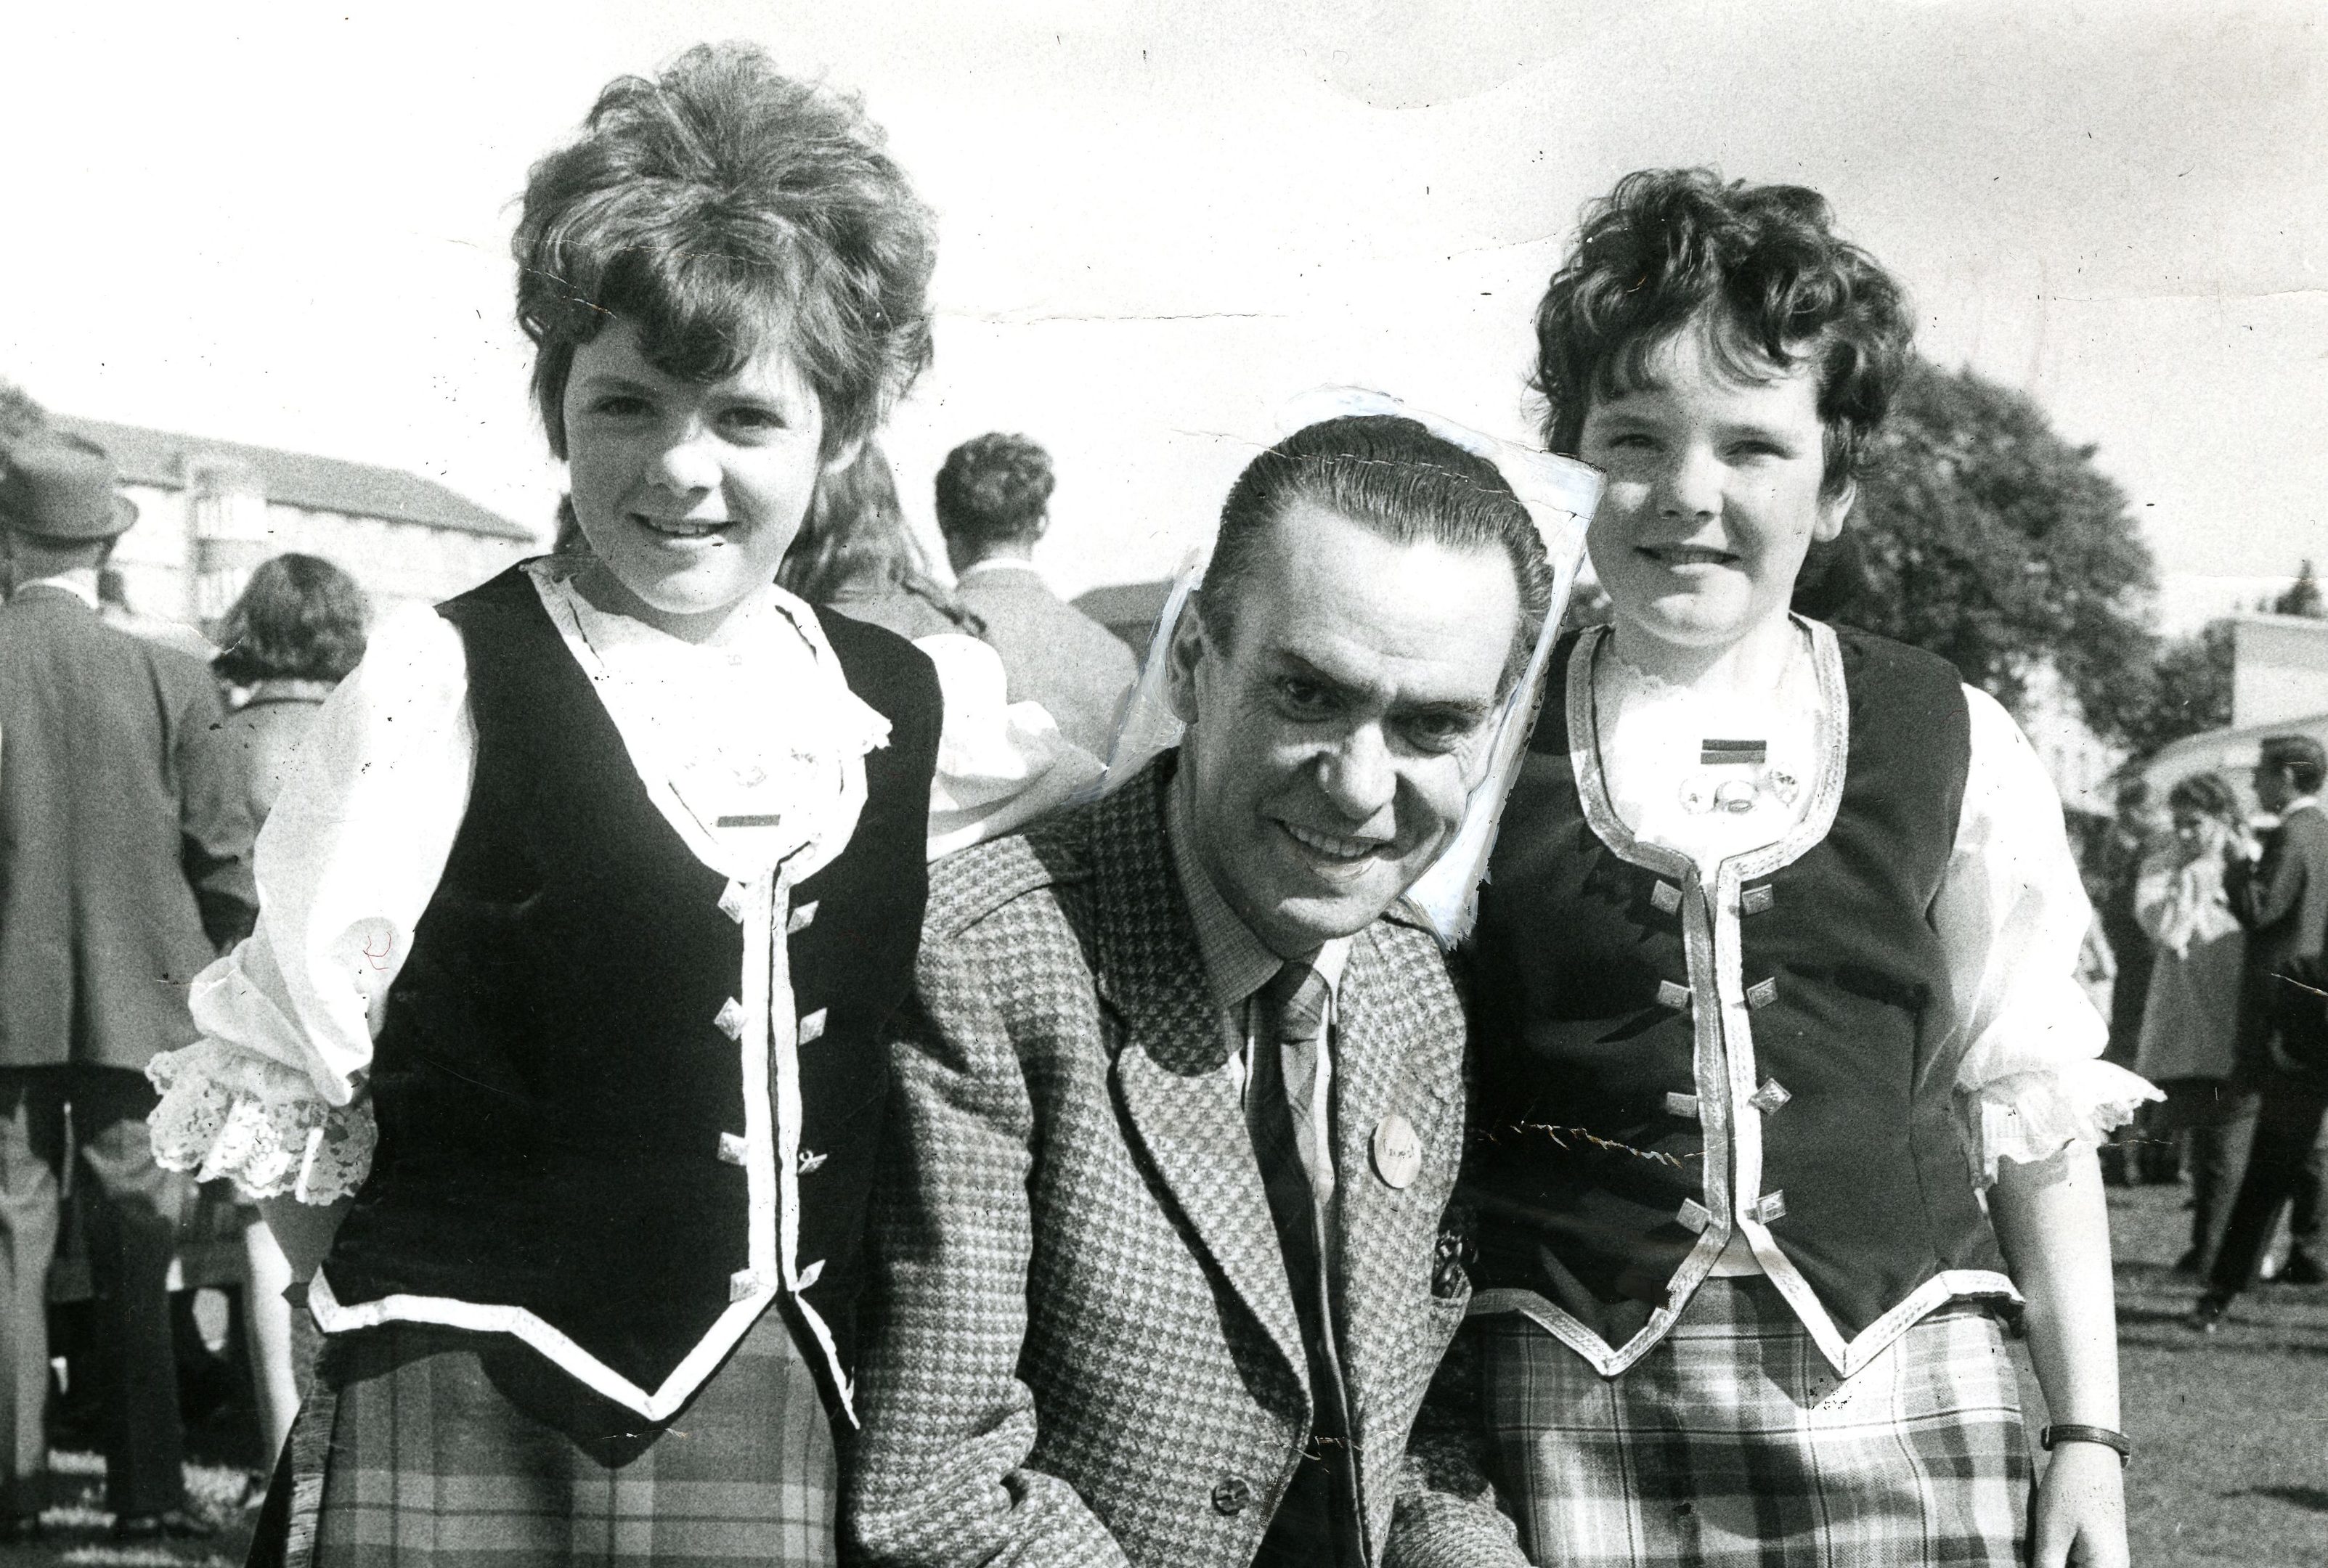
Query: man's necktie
x=1293, y=1014
x=1316, y=1525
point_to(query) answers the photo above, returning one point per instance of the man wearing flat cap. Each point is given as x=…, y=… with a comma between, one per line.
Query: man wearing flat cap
x=2281, y=896
x=125, y=867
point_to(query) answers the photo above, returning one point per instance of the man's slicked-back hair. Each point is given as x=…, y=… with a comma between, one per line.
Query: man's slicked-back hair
x=1393, y=477
x=994, y=488
x=1756, y=269
x=718, y=206
x=2302, y=760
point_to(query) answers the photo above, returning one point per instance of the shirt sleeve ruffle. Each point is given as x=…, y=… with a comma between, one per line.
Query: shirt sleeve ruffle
x=2030, y=1116
x=2012, y=915
x=225, y=1111
x=270, y=1095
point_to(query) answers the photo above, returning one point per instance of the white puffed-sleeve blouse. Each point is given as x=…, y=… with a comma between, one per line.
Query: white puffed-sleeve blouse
x=755, y=724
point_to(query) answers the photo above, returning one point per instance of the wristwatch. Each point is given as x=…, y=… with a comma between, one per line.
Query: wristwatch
x=2074, y=1431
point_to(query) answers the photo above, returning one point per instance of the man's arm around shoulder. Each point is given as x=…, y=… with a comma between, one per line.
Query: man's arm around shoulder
x=940, y=1473
x=1447, y=1515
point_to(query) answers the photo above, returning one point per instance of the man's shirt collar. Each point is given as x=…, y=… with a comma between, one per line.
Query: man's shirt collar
x=1238, y=963
x=998, y=564
x=82, y=585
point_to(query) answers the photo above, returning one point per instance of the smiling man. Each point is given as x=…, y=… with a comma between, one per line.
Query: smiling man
x=1159, y=1275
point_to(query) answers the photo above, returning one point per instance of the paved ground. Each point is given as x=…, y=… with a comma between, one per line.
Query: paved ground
x=2231, y=1468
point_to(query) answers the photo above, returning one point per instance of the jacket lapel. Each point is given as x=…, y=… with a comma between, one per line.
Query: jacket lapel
x=1178, y=1101
x=1369, y=1062
x=1379, y=1030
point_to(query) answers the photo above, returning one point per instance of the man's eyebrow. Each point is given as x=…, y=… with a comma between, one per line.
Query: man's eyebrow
x=1293, y=663
x=1445, y=707
x=1459, y=707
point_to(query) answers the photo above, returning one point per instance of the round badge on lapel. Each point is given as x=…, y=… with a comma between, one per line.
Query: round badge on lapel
x=1398, y=1153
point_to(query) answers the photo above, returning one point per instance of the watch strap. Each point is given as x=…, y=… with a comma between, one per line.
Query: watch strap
x=2075, y=1432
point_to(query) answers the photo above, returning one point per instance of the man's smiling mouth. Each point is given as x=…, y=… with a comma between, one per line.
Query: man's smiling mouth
x=1332, y=845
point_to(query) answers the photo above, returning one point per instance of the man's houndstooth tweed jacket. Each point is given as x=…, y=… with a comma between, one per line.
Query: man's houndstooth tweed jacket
x=1080, y=1345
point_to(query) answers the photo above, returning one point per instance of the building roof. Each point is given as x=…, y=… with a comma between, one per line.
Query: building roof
x=297, y=479
x=1130, y=609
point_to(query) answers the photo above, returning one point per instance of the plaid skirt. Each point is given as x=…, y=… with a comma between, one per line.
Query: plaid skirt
x=1734, y=1444
x=423, y=1445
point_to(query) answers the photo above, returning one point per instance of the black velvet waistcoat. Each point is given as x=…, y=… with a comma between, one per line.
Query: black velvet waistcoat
x=549, y=1084
x=1616, y=1063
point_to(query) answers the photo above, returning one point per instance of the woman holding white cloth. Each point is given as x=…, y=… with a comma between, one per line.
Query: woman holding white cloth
x=2189, y=1020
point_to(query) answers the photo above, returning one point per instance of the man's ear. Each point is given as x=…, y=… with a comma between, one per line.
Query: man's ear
x=1182, y=657
x=1835, y=510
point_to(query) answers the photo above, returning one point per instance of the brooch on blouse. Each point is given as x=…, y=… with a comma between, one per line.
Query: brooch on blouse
x=1735, y=777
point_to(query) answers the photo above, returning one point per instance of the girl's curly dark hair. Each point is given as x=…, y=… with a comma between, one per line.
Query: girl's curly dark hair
x=719, y=205
x=1759, y=268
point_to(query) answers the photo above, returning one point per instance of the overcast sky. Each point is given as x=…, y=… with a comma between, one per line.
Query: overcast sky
x=288, y=224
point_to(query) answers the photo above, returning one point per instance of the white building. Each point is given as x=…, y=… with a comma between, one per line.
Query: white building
x=2081, y=763
x=208, y=511
x=2279, y=687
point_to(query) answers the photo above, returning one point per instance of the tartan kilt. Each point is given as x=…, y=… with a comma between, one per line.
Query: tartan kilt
x=424, y=1445
x=1734, y=1444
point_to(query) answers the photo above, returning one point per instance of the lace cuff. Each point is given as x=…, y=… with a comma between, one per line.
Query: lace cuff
x=225, y=1111
x=2032, y=1115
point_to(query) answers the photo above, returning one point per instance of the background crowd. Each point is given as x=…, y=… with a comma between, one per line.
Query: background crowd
x=2213, y=912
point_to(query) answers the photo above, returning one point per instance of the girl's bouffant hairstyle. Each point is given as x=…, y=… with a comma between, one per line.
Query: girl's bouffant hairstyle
x=1393, y=477
x=993, y=488
x=299, y=618
x=716, y=207
x=1757, y=268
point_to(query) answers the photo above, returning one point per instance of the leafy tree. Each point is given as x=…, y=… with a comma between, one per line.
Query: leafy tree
x=2303, y=596
x=1982, y=536
x=2186, y=690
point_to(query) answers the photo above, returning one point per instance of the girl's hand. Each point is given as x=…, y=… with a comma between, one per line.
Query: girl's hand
x=2080, y=1518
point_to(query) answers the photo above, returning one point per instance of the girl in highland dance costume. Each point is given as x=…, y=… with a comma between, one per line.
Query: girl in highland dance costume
x=1786, y=1085
x=584, y=916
